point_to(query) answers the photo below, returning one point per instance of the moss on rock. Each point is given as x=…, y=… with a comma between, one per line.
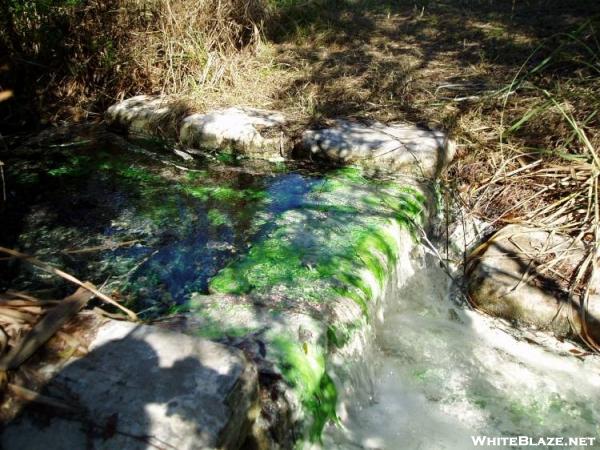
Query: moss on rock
x=342, y=242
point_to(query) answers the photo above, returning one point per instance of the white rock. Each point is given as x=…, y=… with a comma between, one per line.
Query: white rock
x=390, y=147
x=246, y=130
x=142, y=387
x=507, y=278
x=140, y=114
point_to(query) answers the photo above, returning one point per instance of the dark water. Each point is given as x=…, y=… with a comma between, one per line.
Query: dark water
x=79, y=202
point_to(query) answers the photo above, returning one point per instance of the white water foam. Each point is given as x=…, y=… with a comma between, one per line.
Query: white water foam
x=445, y=373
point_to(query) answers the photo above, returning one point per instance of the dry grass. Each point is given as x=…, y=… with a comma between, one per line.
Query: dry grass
x=520, y=97
x=70, y=59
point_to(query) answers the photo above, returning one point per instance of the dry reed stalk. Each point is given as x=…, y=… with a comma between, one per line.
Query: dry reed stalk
x=47, y=268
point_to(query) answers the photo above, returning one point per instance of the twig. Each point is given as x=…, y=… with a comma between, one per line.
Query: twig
x=109, y=246
x=435, y=252
x=3, y=340
x=90, y=287
x=35, y=397
x=45, y=329
x=3, y=181
x=15, y=314
x=12, y=303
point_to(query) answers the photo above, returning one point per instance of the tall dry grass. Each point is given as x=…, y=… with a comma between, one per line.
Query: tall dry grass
x=541, y=161
x=70, y=58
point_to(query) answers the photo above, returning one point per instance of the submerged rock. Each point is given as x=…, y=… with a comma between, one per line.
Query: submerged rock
x=142, y=387
x=522, y=274
x=248, y=131
x=391, y=147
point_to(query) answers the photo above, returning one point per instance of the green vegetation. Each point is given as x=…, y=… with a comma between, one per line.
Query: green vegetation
x=321, y=249
x=339, y=243
x=224, y=193
x=304, y=368
x=515, y=83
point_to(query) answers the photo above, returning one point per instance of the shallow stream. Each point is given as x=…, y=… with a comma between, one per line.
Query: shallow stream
x=147, y=225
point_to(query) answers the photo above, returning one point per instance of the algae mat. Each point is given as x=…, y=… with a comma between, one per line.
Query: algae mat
x=124, y=216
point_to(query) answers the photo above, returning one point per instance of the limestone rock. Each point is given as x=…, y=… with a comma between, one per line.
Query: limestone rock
x=141, y=387
x=509, y=277
x=144, y=114
x=389, y=147
x=248, y=131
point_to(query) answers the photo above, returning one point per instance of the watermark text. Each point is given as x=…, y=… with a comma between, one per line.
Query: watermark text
x=528, y=441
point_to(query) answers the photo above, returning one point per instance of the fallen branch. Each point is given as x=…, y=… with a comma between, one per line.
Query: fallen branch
x=3, y=340
x=54, y=319
x=15, y=303
x=15, y=314
x=35, y=397
x=109, y=246
x=3, y=181
x=90, y=287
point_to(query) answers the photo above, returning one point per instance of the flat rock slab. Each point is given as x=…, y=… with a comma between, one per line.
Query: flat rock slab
x=249, y=131
x=148, y=115
x=521, y=274
x=393, y=147
x=141, y=387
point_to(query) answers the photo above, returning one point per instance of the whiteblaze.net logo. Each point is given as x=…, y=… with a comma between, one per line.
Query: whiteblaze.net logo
x=528, y=441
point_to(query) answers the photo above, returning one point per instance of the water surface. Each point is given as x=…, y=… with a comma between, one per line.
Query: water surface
x=147, y=225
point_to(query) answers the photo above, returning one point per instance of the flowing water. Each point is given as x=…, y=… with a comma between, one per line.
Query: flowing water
x=444, y=374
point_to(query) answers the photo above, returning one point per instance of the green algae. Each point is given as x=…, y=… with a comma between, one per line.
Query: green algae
x=318, y=251
x=303, y=367
x=223, y=193
x=187, y=224
x=339, y=243
x=338, y=335
x=75, y=166
x=137, y=174
x=228, y=282
x=217, y=218
x=216, y=331
x=301, y=361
